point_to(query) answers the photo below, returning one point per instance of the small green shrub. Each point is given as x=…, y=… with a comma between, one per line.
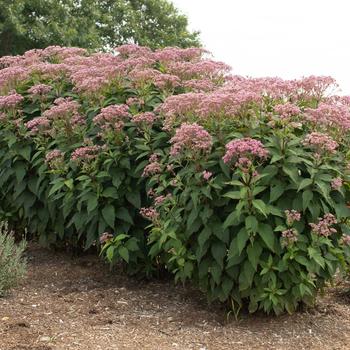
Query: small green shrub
x=12, y=263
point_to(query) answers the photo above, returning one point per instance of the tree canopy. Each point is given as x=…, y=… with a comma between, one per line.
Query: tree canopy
x=92, y=24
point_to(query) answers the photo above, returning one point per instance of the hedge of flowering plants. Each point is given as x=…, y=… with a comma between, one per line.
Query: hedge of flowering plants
x=167, y=162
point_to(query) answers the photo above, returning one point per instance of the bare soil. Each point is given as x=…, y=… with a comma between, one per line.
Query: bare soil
x=77, y=303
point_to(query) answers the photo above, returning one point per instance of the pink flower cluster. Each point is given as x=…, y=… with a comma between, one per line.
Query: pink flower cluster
x=289, y=237
x=287, y=110
x=330, y=115
x=11, y=100
x=38, y=124
x=10, y=76
x=320, y=142
x=292, y=216
x=39, y=90
x=146, y=118
x=337, y=183
x=161, y=199
x=85, y=153
x=190, y=137
x=324, y=226
x=345, y=240
x=207, y=175
x=53, y=155
x=149, y=213
x=105, y=237
x=153, y=167
x=243, y=150
x=63, y=108
x=112, y=117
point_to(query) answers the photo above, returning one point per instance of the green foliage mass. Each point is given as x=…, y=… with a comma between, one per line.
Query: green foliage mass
x=91, y=24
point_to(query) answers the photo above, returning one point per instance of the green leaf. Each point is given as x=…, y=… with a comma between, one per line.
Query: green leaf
x=233, y=195
x=232, y=220
x=258, y=189
x=204, y=236
x=25, y=152
x=251, y=224
x=307, y=198
x=124, y=253
x=267, y=235
x=316, y=256
x=123, y=214
x=292, y=172
x=20, y=171
x=110, y=192
x=92, y=203
x=242, y=239
x=108, y=213
x=110, y=253
x=276, y=192
x=305, y=183
x=69, y=183
x=134, y=198
x=246, y=276
x=260, y=205
x=254, y=251
x=219, y=251
x=57, y=186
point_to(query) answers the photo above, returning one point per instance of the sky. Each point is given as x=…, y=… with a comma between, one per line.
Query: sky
x=285, y=38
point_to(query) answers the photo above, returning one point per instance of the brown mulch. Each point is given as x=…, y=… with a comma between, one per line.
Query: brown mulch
x=77, y=303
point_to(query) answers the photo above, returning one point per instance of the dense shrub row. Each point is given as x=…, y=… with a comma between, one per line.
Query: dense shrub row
x=238, y=185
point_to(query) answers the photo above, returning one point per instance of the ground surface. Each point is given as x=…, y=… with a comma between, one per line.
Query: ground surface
x=78, y=304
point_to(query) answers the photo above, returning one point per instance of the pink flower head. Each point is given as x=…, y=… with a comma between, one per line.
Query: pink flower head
x=53, y=155
x=146, y=118
x=207, y=175
x=64, y=107
x=153, y=167
x=292, y=215
x=11, y=100
x=287, y=110
x=244, y=150
x=321, y=143
x=192, y=137
x=149, y=213
x=324, y=226
x=289, y=237
x=345, y=240
x=330, y=115
x=161, y=199
x=38, y=124
x=39, y=90
x=337, y=183
x=112, y=117
x=85, y=153
x=166, y=81
x=105, y=237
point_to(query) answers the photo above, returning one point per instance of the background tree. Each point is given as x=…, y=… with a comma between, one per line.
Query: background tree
x=92, y=24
